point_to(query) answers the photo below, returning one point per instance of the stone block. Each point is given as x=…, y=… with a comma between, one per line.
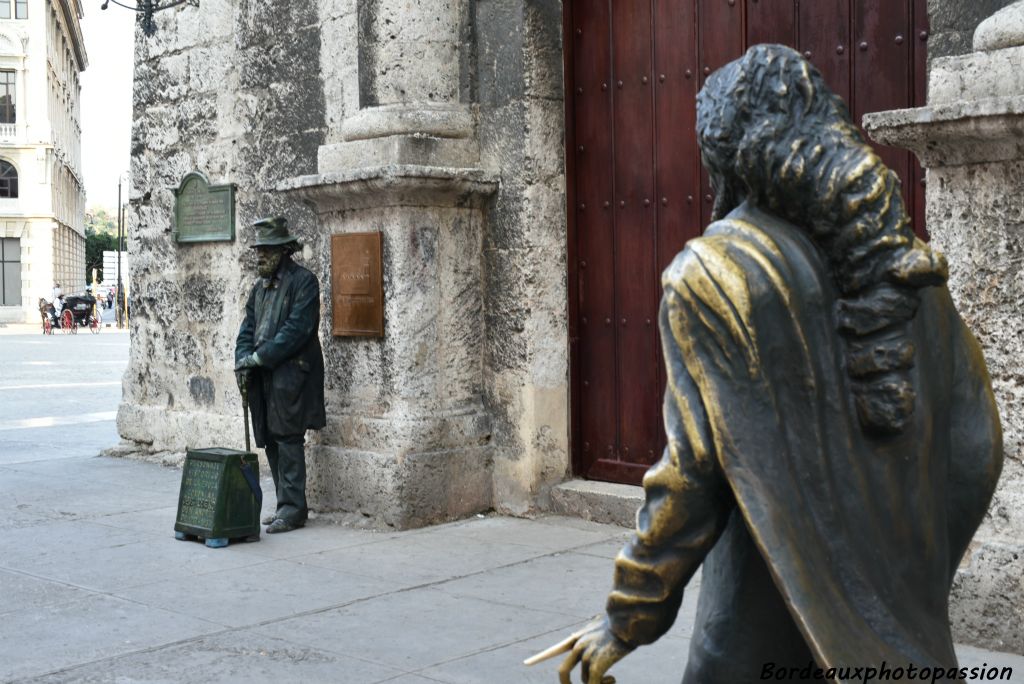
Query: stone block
x=208, y=67
x=419, y=149
x=602, y=502
x=259, y=21
x=543, y=54
x=404, y=21
x=986, y=609
x=416, y=71
x=944, y=15
x=1004, y=29
x=412, y=490
x=977, y=76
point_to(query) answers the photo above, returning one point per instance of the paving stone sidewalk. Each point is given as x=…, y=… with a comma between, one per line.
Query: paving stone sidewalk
x=95, y=589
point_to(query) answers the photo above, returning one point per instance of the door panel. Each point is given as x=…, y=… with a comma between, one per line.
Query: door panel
x=772, y=21
x=596, y=388
x=633, y=69
x=635, y=245
x=882, y=69
x=824, y=27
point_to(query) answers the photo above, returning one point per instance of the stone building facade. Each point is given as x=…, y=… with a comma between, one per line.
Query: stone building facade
x=389, y=116
x=42, y=196
x=441, y=125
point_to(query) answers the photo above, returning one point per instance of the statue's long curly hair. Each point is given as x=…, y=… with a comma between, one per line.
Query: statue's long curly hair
x=772, y=133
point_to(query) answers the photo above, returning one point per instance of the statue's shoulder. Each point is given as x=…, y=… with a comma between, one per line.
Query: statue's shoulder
x=708, y=253
x=745, y=263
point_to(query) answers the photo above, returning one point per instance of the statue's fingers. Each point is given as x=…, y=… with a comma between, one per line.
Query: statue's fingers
x=556, y=650
x=593, y=668
x=565, y=669
x=597, y=675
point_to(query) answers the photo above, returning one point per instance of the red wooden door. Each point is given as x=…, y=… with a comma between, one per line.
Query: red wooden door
x=637, y=192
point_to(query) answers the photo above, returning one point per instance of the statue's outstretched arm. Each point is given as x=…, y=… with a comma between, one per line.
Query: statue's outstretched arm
x=687, y=505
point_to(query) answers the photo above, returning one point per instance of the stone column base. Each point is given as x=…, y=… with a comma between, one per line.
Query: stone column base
x=404, y=491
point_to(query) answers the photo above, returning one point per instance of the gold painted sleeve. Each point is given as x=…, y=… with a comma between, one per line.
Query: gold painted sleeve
x=687, y=499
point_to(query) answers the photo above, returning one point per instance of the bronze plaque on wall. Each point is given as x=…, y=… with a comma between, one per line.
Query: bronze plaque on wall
x=357, y=286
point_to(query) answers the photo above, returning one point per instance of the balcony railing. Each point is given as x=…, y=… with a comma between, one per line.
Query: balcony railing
x=8, y=131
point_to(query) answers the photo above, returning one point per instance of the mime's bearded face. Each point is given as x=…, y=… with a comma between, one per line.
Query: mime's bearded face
x=268, y=259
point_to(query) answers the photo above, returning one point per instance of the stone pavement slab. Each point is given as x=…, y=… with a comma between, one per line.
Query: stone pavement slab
x=61, y=635
x=417, y=559
x=411, y=630
x=241, y=656
x=275, y=590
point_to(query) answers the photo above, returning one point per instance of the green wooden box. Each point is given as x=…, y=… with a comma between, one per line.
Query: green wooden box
x=216, y=502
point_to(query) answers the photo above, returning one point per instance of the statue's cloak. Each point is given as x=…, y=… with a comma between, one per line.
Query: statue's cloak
x=860, y=535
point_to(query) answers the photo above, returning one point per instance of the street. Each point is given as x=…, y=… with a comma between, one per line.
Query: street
x=94, y=587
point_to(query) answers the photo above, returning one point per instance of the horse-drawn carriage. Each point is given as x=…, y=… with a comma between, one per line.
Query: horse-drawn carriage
x=78, y=310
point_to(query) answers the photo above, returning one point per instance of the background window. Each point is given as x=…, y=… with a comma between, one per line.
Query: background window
x=8, y=179
x=7, y=102
x=5, y=9
x=21, y=9
x=10, y=272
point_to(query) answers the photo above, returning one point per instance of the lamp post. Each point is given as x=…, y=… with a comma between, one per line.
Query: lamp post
x=119, y=314
x=146, y=8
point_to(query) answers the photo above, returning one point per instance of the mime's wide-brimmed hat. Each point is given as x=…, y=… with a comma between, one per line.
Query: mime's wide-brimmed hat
x=273, y=231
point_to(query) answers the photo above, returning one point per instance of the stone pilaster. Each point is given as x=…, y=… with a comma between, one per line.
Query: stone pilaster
x=970, y=137
x=408, y=440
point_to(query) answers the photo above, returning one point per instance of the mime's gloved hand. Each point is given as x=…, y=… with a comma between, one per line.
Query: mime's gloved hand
x=243, y=371
x=242, y=377
x=248, y=361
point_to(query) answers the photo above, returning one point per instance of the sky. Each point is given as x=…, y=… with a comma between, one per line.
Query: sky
x=106, y=101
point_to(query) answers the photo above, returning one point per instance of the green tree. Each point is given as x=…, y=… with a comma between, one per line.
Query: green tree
x=100, y=220
x=100, y=235
x=95, y=244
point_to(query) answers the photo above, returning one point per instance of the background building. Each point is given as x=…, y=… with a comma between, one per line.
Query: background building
x=42, y=198
x=531, y=166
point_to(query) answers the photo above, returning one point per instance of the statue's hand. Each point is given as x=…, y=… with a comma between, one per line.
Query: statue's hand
x=596, y=648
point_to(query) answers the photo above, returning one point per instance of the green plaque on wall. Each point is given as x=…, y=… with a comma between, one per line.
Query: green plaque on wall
x=203, y=212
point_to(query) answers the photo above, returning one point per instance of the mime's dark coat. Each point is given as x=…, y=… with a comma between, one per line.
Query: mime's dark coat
x=286, y=392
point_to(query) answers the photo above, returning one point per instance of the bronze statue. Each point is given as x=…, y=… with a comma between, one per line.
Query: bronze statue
x=279, y=364
x=833, y=441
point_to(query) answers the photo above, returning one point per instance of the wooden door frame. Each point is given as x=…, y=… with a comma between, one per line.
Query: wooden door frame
x=569, y=77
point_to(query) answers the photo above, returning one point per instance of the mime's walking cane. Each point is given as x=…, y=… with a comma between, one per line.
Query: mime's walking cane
x=245, y=412
x=247, y=472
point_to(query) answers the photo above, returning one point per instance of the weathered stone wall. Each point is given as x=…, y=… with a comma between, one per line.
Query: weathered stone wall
x=220, y=89
x=953, y=22
x=980, y=219
x=522, y=127
x=462, y=406
x=976, y=215
x=387, y=116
